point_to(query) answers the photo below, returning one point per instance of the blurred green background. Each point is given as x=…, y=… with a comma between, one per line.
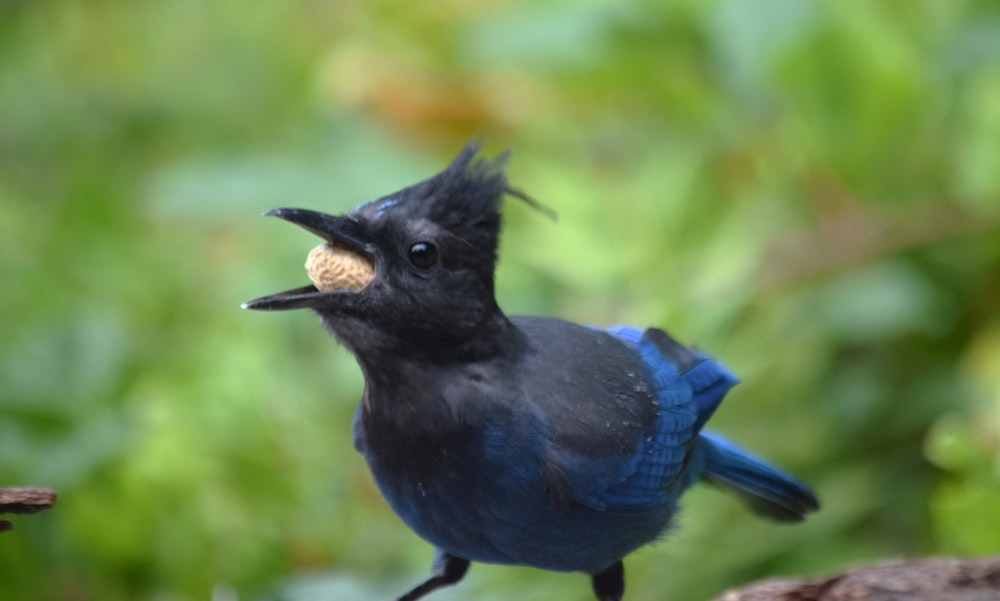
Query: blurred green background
x=807, y=189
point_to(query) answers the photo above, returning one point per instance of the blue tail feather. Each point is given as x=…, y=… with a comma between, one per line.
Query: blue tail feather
x=767, y=490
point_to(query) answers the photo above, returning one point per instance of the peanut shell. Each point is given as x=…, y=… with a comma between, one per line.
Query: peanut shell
x=335, y=267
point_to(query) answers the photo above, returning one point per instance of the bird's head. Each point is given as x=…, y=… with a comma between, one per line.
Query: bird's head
x=411, y=269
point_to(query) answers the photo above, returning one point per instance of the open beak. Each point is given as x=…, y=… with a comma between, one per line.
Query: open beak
x=335, y=229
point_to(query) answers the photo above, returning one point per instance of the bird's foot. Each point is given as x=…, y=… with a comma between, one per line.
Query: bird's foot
x=447, y=570
x=609, y=585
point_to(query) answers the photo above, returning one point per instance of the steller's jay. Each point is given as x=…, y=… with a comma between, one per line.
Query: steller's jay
x=515, y=440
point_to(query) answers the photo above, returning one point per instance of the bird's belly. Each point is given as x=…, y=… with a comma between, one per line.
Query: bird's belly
x=490, y=512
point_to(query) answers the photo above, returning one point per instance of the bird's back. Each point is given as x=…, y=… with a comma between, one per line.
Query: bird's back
x=592, y=388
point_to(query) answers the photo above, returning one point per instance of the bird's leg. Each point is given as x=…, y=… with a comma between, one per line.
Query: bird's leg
x=447, y=570
x=609, y=585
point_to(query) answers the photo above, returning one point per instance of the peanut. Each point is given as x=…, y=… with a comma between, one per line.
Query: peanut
x=336, y=267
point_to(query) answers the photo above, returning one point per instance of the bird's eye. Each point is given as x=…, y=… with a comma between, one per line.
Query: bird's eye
x=423, y=255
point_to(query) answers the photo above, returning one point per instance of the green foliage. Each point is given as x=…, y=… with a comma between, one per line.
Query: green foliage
x=808, y=189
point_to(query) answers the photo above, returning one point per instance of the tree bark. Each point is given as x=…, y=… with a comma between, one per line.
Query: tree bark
x=938, y=579
x=24, y=499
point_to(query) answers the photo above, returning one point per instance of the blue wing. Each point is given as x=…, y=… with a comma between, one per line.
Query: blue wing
x=689, y=386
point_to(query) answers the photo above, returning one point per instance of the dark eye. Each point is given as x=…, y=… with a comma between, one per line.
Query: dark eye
x=423, y=255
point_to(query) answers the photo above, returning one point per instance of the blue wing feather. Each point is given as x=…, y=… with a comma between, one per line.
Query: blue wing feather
x=689, y=387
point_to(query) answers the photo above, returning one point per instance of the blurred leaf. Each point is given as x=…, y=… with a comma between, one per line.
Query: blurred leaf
x=880, y=301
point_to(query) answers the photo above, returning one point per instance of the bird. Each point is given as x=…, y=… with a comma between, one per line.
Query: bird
x=518, y=440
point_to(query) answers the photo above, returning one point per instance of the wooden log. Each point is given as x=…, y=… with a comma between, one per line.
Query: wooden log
x=22, y=500
x=944, y=579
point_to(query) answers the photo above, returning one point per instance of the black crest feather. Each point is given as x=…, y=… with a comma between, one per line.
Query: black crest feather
x=472, y=183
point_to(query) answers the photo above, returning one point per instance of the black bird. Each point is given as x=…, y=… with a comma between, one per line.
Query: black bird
x=515, y=440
